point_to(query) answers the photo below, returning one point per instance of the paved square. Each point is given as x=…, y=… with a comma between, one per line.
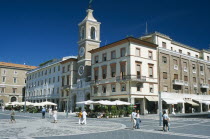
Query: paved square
x=32, y=126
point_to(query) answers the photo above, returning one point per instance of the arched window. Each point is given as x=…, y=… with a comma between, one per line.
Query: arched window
x=82, y=33
x=93, y=33
x=13, y=99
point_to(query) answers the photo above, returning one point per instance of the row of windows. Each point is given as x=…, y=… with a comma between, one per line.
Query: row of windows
x=113, y=55
x=138, y=53
x=139, y=87
x=44, y=82
x=165, y=76
x=5, y=72
x=44, y=92
x=15, y=79
x=122, y=71
x=46, y=72
x=180, y=51
x=185, y=65
x=2, y=90
x=186, y=90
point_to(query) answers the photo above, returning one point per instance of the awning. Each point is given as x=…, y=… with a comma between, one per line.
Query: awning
x=192, y=103
x=169, y=101
x=152, y=98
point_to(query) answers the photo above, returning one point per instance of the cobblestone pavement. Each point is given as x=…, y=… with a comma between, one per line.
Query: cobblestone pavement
x=32, y=126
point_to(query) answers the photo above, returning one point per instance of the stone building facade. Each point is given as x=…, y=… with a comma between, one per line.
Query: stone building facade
x=13, y=81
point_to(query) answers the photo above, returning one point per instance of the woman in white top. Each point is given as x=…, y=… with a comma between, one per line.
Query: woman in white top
x=55, y=115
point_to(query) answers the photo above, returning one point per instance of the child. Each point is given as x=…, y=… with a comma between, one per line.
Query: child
x=80, y=117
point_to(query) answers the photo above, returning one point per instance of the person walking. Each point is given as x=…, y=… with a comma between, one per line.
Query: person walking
x=165, y=121
x=133, y=120
x=138, y=120
x=43, y=112
x=12, y=116
x=80, y=117
x=84, y=116
x=50, y=112
x=3, y=108
x=55, y=115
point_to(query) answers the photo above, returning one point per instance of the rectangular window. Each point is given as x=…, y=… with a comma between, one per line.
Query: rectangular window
x=68, y=67
x=175, y=76
x=171, y=48
x=113, y=55
x=137, y=52
x=202, y=80
x=175, y=62
x=14, y=90
x=49, y=80
x=194, y=79
x=139, y=86
x=193, y=66
x=180, y=51
x=95, y=89
x=104, y=57
x=96, y=74
x=185, y=78
x=53, y=79
x=188, y=53
x=196, y=56
x=45, y=72
x=2, y=89
x=164, y=59
x=150, y=71
x=50, y=71
x=201, y=68
x=164, y=45
x=14, y=80
x=123, y=87
x=68, y=79
x=58, y=68
x=185, y=64
x=58, y=79
x=165, y=88
x=63, y=80
x=58, y=90
x=54, y=69
x=63, y=69
x=150, y=54
x=122, y=70
x=164, y=75
x=138, y=71
x=104, y=72
x=151, y=90
x=113, y=70
x=3, y=79
x=113, y=88
x=96, y=59
x=104, y=89
x=122, y=52
x=208, y=58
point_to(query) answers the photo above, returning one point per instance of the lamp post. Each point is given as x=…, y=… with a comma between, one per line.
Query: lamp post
x=25, y=101
x=67, y=101
x=160, y=108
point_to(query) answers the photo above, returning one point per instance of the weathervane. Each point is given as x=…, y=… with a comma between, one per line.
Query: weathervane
x=90, y=6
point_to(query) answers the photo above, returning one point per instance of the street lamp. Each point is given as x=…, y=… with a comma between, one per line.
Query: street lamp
x=67, y=101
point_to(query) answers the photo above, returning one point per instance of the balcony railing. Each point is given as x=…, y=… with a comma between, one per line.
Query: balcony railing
x=178, y=82
x=137, y=78
x=203, y=85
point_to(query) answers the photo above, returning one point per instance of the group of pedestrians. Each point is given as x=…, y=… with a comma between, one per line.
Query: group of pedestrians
x=135, y=118
x=82, y=117
x=52, y=112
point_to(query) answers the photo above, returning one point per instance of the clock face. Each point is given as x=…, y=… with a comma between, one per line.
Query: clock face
x=81, y=51
x=81, y=70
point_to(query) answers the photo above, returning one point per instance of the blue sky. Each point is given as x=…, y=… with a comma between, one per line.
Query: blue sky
x=34, y=31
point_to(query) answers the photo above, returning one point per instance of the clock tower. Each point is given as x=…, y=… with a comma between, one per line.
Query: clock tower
x=89, y=38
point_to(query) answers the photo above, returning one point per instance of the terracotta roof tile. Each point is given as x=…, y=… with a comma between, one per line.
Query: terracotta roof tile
x=17, y=65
